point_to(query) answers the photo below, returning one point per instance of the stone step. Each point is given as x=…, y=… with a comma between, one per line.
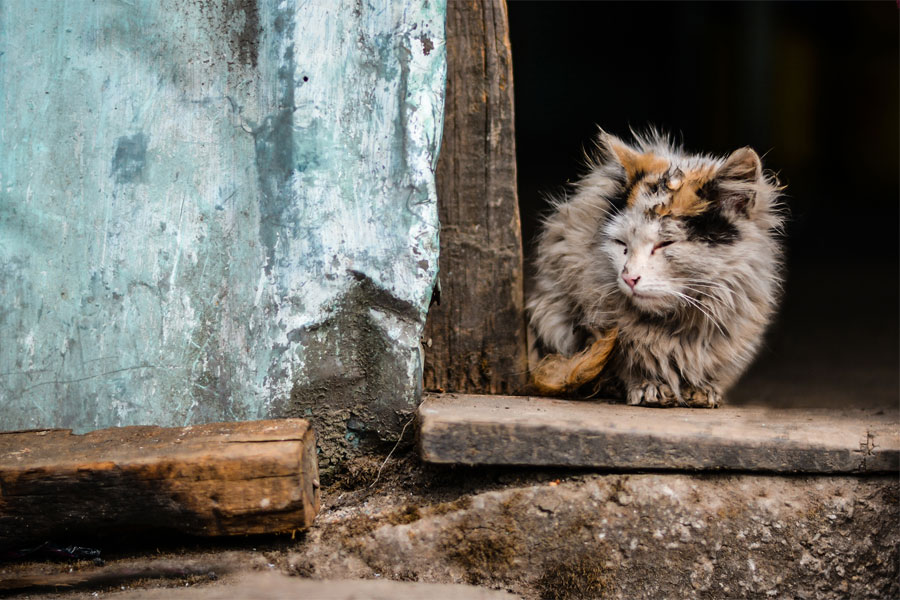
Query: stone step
x=509, y=430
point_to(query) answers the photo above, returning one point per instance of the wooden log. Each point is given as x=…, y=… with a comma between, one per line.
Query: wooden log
x=475, y=338
x=210, y=480
x=500, y=430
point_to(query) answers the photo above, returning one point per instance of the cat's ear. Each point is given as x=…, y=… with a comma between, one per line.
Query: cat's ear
x=743, y=165
x=612, y=150
x=737, y=180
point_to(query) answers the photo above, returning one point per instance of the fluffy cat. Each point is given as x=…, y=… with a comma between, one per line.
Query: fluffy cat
x=658, y=275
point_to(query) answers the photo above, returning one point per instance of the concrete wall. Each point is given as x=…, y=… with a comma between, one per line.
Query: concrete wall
x=216, y=210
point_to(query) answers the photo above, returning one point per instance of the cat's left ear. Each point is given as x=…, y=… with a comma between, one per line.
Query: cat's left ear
x=737, y=180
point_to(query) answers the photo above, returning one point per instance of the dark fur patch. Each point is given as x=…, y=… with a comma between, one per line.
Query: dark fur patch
x=711, y=227
x=631, y=187
x=657, y=186
x=542, y=348
x=707, y=190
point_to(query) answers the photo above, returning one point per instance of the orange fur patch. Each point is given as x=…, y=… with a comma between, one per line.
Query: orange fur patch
x=684, y=201
x=556, y=374
x=636, y=163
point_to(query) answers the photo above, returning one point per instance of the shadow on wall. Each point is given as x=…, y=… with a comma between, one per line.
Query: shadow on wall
x=813, y=87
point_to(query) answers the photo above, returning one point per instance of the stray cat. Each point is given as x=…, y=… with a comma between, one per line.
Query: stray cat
x=658, y=276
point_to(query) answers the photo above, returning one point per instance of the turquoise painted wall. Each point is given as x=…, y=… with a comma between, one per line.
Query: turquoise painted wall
x=216, y=210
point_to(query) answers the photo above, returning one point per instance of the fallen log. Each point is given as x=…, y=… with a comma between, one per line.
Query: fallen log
x=217, y=479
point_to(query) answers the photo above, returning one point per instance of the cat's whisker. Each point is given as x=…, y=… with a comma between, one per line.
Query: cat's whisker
x=715, y=300
x=696, y=304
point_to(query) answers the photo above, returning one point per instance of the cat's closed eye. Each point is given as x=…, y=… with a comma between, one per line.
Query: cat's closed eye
x=623, y=244
x=662, y=245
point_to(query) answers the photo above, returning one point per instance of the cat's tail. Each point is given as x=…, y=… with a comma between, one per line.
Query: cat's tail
x=557, y=375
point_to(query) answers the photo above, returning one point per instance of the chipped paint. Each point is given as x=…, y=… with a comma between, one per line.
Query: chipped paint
x=209, y=211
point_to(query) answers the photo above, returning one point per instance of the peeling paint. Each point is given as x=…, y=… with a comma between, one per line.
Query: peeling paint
x=217, y=211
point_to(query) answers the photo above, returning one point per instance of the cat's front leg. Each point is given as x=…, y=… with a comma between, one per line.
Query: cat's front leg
x=648, y=393
x=703, y=396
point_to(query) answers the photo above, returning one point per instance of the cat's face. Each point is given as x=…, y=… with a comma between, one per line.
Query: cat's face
x=645, y=253
x=677, y=228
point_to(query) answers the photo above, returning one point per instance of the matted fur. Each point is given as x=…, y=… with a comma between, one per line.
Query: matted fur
x=698, y=238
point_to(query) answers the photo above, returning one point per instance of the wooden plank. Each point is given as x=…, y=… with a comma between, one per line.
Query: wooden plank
x=211, y=480
x=504, y=430
x=475, y=338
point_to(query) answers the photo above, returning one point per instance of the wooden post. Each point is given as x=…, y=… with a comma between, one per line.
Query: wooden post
x=475, y=338
x=212, y=480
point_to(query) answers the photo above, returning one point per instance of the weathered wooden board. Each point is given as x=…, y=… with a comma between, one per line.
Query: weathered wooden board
x=475, y=338
x=503, y=430
x=212, y=480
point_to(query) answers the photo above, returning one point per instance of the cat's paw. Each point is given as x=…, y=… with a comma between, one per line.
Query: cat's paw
x=701, y=397
x=652, y=394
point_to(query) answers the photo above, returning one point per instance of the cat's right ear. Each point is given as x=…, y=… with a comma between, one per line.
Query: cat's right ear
x=612, y=150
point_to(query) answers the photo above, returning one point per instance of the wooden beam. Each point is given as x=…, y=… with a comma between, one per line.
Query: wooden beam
x=475, y=338
x=210, y=480
x=504, y=430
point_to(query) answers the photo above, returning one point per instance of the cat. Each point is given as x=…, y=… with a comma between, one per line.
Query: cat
x=658, y=276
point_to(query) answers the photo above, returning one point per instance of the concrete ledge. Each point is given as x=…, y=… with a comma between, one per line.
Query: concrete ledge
x=508, y=430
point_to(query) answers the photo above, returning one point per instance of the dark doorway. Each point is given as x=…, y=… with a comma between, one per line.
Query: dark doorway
x=813, y=86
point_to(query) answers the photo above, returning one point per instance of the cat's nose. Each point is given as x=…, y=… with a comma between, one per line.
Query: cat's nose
x=631, y=280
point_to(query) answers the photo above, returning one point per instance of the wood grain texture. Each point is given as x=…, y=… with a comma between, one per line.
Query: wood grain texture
x=475, y=338
x=210, y=480
x=541, y=431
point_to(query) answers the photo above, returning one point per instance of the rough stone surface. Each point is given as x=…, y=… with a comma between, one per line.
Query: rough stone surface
x=631, y=536
x=510, y=430
x=217, y=211
x=553, y=534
